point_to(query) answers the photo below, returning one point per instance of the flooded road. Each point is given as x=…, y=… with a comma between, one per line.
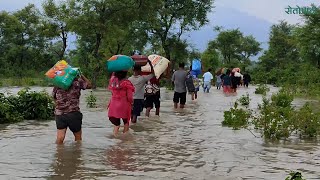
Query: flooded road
x=180, y=144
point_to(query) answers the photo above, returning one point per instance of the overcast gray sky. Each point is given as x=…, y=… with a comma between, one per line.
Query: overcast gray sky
x=250, y=16
x=270, y=10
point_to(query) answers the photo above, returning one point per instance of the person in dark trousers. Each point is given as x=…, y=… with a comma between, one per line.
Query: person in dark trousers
x=234, y=83
x=246, y=79
x=67, y=111
x=180, y=89
x=139, y=83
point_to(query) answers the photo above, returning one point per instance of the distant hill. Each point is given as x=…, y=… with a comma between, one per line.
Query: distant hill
x=231, y=19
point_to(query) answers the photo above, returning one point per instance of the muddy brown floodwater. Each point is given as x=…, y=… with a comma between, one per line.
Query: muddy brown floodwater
x=185, y=144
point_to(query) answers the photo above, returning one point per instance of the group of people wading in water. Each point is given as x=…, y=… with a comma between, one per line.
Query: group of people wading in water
x=131, y=95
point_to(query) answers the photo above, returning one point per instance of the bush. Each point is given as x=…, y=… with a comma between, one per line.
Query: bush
x=262, y=89
x=244, y=100
x=282, y=99
x=307, y=122
x=35, y=105
x=26, y=105
x=278, y=119
x=91, y=100
x=274, y=122
x=236, y=118
x=8, y=112
x=295, y=176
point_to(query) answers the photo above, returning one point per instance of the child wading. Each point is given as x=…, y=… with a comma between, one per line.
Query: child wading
x=218, y=81
x=190, y=85
x=139, y=83
x=152, y=96
x=196, y=83
x=120, y=104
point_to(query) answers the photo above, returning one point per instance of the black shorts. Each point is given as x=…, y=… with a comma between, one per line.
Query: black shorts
x=182, y=97
x=73, y=120
x=137, y=108
x=152, y=99
x=116, y=121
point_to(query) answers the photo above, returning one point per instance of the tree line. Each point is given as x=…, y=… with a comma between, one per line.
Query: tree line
x=32, y=40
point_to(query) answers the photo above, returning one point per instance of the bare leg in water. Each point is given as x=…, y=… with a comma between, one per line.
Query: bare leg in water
x=116, y=130
x=176, y=105
x=78, y=136
x=192, y=96
x=134, y=119
x=148, y=111
x=126, y=126
x=61, y=134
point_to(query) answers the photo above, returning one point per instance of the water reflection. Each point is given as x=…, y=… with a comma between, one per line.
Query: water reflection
x=68, y=159
x=121, y=158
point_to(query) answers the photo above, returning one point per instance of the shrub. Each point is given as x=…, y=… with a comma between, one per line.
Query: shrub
x=26, y=105
x=8, y=112
x=35, y=105
x=282, y=99
x=236, y=118
x=307, y=122
x=262, y=89
x=244, y=100
x=273, y=122
x=91, y=100
x=295, y=176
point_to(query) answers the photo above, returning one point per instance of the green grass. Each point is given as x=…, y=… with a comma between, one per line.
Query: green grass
x=7, y=82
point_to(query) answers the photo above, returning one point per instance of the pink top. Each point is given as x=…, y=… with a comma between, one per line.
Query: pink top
x=122, y=98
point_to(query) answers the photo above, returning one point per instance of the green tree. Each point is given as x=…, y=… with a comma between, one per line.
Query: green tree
x=24, y=48
x=308, y=37
x=235, y=48
x=56, y=25
x=282, y=47
x=169, y=19
x=101, y=28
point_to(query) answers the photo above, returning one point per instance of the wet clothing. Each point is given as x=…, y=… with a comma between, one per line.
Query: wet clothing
x=218, y=81
x=152, y=100
x=179, y=79
x=139, y=83
x=116, y=121
x=206, y=87
x=190, y=83
x=246, y=79
x=152, y=93
x=120, y=104
x=196, y=82
x=73, y=120
x=207, y=77
x=180, y=98
x=234, y=82
x=67, y=101
x=152, y=87
x=226, y=80
x=137, y=108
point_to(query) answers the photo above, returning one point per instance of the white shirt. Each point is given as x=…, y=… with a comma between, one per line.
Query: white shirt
x=207, y=77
